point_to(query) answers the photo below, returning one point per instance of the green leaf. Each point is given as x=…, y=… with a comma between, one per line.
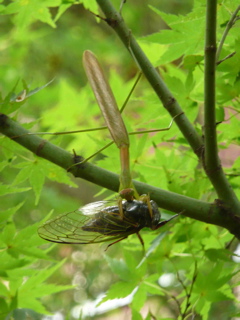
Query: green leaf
x=215, y=296
x=139, y=298
x=218, y=254
x=9, y=262
x=47, y=289
x=33, y=304
x=6, y=105
x=3, y=164
x=34, y=287
x=61, y=9
x=3, y=290
x=26, y=314
x=22, y=176
x=58, y=174
x=190, y=62
x=119, y=290
x=151, y=286
x=25, y=243
x=136, y=315
x=203, y=308
x=30, y=252
x=5, y=215
x=4, y=308
x=8, y=233
x=36, y=179
x=137, y=269
x=120, y=268
x=5, y=189
x=41, y=275
x=90, y=5
x=179, y=40
x=29, y=11
x=14, y=302
x=156, y=242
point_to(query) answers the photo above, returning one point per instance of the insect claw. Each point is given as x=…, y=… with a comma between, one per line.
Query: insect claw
x=127, y=194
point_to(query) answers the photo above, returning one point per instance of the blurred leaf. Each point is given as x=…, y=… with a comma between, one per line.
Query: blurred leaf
x=3, y=290
x=136, y=315
x=5, y=215
x=28, y=11
x=119, y=290
x=24, y=314
x=92, y=5
x=3, y=307
x=218, y=254
x=5, y=189
x=184, y=37
x=139, y=298
x=120, y=268
x=8, y=233
x=151, y=286
x=191, y=61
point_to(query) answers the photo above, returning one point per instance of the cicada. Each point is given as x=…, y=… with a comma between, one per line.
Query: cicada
x=103, y=221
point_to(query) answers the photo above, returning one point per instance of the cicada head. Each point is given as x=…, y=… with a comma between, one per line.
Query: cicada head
x=145, y=214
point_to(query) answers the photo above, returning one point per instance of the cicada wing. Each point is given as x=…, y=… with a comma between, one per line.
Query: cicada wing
x=93, y=208
x=66, y=228
x=78, y=228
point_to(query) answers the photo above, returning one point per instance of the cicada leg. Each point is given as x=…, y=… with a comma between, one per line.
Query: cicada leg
x=145, y=198
x=115, y=242
x=120, y=206
x=139, y=237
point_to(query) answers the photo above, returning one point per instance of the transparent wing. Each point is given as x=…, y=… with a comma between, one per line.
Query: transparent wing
x=81, y=227
x=94, y=207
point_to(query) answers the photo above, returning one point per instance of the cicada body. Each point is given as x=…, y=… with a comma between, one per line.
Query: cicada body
x=103, y=221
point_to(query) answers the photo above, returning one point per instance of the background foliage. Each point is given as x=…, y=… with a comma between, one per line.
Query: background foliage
x=187, y=271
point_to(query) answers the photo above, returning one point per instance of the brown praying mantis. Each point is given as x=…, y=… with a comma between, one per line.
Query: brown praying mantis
x=107, y=221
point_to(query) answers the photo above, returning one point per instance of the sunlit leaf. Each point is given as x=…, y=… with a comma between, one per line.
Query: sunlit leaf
x=139, y=298
x=119, y=290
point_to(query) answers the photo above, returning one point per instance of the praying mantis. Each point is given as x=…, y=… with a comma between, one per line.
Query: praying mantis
x=107, y=221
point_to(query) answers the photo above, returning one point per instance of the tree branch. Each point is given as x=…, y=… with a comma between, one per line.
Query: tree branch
x=216, y=175
x=214, y=213
x=117, y=23
x=211, y=160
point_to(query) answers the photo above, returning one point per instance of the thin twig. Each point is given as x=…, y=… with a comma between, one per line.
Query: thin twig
x=227, y=57
x=225, y=33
